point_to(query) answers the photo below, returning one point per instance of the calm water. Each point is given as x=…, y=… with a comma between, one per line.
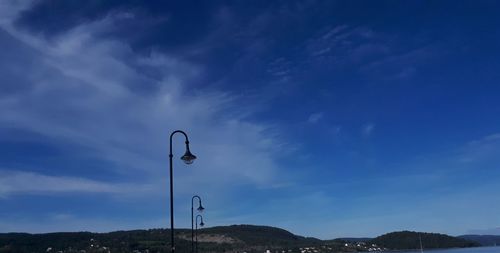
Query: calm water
x=465, y=250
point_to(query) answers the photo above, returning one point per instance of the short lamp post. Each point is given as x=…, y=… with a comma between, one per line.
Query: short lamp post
x=201, y=225
x=200, y=209
x=188, y=158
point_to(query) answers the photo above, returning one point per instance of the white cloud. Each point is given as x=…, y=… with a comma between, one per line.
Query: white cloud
x=480, y=150
x=315, y=117
x=486, y=139
x=367, y=129
x=18, y=182
x=9, y=9
x=88, y=91
x=334, y=31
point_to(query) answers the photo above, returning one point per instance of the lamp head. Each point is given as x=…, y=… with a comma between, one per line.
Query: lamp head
x=188, y=158
x=202, y=224
x=200, y=208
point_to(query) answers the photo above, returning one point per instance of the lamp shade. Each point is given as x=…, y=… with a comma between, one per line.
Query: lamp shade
x=188, y=158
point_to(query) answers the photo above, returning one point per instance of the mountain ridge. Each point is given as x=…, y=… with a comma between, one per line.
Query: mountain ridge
x=403, y=240
x=233, y=238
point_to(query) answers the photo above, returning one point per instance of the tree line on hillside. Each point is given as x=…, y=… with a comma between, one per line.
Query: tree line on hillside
x=246, y=238
x=411, y=240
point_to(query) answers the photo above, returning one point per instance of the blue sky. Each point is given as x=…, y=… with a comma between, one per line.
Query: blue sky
x=326, y=118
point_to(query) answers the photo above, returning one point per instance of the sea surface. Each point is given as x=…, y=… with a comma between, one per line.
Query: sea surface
x=461, y=250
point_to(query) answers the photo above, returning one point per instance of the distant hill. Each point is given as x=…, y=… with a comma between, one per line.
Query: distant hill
x=259, y=235
x=229, y=239
x=484, y=240
x=411, y=240
x=235, y=238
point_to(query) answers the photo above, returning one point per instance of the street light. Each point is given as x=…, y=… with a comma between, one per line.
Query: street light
x=188, y=158
x=200, y=209
x=201, y=225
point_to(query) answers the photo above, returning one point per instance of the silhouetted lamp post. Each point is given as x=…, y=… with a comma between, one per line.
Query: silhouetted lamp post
x=188, y=158
x=200, y=209
x=201, y=225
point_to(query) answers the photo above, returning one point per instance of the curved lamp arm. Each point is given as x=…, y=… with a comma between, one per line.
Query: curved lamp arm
x=188, y=157
x=200, y=207
x=201, y=221
x=172, y=135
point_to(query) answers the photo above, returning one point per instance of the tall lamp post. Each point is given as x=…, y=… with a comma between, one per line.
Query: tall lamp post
x=200, y=209
x=188, y=158
x=201, y=225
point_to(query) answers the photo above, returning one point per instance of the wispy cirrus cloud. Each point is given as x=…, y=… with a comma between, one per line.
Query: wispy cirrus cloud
x=97, y=93
x=315, y=117
x=370, y=51
x=368, y=129
x=19, y=182
x=481, y=149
